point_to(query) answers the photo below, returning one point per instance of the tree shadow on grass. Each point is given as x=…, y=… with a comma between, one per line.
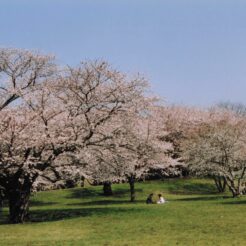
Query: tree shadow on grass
x=83, y=193
x=236, y=201
x=88, y=193
x=47, y=215
x=63, y=214
x=106, y=202
x=192, y=188
x=202, y=198
x=124, y=192
x=40, y=203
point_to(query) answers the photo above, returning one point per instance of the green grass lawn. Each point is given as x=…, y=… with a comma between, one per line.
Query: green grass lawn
x=194, y=215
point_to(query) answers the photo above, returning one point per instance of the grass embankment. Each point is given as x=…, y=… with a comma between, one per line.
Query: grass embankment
x=194, y=215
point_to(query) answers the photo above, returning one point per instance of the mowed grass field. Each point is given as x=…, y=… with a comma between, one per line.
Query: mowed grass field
x=194, y=215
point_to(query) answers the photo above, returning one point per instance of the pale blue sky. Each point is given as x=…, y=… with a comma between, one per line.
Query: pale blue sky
x=192, y=51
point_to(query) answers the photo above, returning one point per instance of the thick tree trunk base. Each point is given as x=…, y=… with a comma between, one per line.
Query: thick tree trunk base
x=18, y=207
x=107, y=189
x=132, y=189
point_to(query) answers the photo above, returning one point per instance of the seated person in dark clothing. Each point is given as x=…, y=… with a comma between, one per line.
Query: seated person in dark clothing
x=149, y=199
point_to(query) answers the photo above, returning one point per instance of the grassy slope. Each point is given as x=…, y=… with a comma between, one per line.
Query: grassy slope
x=195, y=215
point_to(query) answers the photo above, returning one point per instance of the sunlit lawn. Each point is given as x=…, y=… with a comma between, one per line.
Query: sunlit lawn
x=194, y=215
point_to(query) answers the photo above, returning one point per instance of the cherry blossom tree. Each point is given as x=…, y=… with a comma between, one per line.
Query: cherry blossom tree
x=143, y=148
x=102, y=121
x=179, y=122
x=217, y=148
x=59, y=118
x=20, y=72
x=135, y=148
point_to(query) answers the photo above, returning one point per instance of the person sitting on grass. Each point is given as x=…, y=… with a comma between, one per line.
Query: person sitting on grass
x=161, y=199
x=149, y=199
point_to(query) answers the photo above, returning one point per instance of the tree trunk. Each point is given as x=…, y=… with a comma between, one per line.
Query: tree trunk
x=82, y=182
x=232, y=187
x=220, y=183
x=107, y=189
x=1, y=201
x=18, y=205
x=131, y=181
x=235, y=193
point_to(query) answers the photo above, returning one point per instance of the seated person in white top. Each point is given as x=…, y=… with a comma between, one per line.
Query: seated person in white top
x=161, y=199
